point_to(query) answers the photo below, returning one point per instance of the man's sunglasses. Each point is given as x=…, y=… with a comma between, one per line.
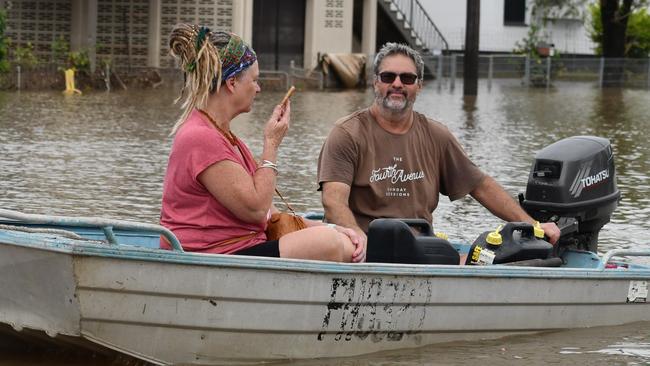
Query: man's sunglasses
x=406, y=78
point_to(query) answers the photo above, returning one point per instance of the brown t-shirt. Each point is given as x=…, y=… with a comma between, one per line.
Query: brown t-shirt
x=395, y=176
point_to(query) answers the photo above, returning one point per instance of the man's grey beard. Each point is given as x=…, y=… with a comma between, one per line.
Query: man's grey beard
x=393, y=106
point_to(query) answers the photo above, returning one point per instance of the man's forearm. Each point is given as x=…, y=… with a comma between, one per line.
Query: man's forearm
x=341, y=215
x=491, y=195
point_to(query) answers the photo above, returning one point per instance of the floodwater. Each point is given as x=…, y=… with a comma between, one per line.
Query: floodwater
x=104, y=154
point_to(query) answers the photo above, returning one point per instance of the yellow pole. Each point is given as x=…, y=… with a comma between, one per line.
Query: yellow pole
x=69, y=83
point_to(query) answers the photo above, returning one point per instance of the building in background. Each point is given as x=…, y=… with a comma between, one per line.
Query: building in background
x=135, y=33
x=131, y=33
x=506, y=22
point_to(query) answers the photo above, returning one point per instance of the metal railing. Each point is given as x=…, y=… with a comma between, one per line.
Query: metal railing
x=416, y=20
x=305, y=75
x=533, y=72
x=106, y=225
x=50, y=76
x=543, y=72
x=275, y=77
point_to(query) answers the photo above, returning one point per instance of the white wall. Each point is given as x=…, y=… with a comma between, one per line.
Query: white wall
x=569, y=36
x=328, y=29
x=242, y=19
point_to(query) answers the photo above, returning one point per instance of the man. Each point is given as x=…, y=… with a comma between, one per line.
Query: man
x=389, y=161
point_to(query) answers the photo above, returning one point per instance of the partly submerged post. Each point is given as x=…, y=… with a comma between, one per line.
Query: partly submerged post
x=107, y=77
x=648, y=60
x=470, y=61
x=439, y=70
x=452, y=72
x=548, y=71
x=601, y=71
x=18, y=81
x=527, y=70
x=490, y=71
x=69, y=83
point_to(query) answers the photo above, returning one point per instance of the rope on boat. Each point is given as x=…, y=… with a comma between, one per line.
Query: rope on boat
x=59, y=232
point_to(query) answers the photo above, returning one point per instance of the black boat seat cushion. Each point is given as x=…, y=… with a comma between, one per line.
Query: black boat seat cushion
x=392, y=241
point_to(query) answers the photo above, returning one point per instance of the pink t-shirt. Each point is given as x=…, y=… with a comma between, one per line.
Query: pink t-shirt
x=199, y=221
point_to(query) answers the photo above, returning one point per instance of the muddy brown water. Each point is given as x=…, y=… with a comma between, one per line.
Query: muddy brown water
x=104, y=154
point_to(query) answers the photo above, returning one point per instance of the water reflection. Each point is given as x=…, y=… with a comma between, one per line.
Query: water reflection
x=469, y=106
x=621, y=345
x=511, y=123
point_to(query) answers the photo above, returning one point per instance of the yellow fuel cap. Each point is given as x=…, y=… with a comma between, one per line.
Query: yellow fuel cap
x=441, y=235
x=539, y=232
x=494, y=237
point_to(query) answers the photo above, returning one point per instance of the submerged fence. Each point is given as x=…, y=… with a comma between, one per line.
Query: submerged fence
x=542, y=72
x=533, y=72
x=110, y=78
x=50, y=76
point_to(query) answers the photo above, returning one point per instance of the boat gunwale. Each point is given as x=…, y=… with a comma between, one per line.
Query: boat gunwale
x=90, y=248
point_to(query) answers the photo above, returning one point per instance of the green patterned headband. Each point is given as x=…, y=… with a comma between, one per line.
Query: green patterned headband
x=200, y=38
x=236, y=57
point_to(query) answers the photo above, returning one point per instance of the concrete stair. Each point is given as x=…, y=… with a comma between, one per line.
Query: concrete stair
x=417, y=28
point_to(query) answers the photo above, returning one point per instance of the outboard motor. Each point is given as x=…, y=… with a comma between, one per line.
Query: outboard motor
x=573, y=183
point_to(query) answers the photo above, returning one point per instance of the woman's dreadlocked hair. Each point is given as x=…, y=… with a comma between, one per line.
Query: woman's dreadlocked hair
x=197, y=50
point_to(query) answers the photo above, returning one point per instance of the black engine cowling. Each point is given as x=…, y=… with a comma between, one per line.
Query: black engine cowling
x=573, y=183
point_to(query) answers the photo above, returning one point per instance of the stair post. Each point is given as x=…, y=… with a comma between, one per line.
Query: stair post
x=548, y=71
x=452, y=73
x=415, y=26
x=490, y=71
x=527, y=70
x=439, y=72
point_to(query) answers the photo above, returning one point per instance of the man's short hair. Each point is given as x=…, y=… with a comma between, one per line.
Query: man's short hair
x=392, y=48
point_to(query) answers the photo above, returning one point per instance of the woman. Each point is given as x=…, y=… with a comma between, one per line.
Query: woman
x=216, y=197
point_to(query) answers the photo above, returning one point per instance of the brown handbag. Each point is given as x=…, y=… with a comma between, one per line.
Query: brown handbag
x=283, y=223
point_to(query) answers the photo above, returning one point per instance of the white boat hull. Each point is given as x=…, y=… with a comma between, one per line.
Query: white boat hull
x=37, y=290
x=182, y=308
x=208, y=315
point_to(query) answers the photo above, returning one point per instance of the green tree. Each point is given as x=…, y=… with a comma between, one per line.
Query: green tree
x=543, y=12
x=24, y=56
x=4, y=47
x=79, y=60
x=614, y=19
x=60, y=49
x=528, y=45
x=637, y=37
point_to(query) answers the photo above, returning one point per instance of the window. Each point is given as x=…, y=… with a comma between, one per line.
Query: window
x=514, y=12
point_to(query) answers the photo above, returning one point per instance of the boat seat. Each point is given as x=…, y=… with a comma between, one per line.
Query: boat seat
x=393, y=241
